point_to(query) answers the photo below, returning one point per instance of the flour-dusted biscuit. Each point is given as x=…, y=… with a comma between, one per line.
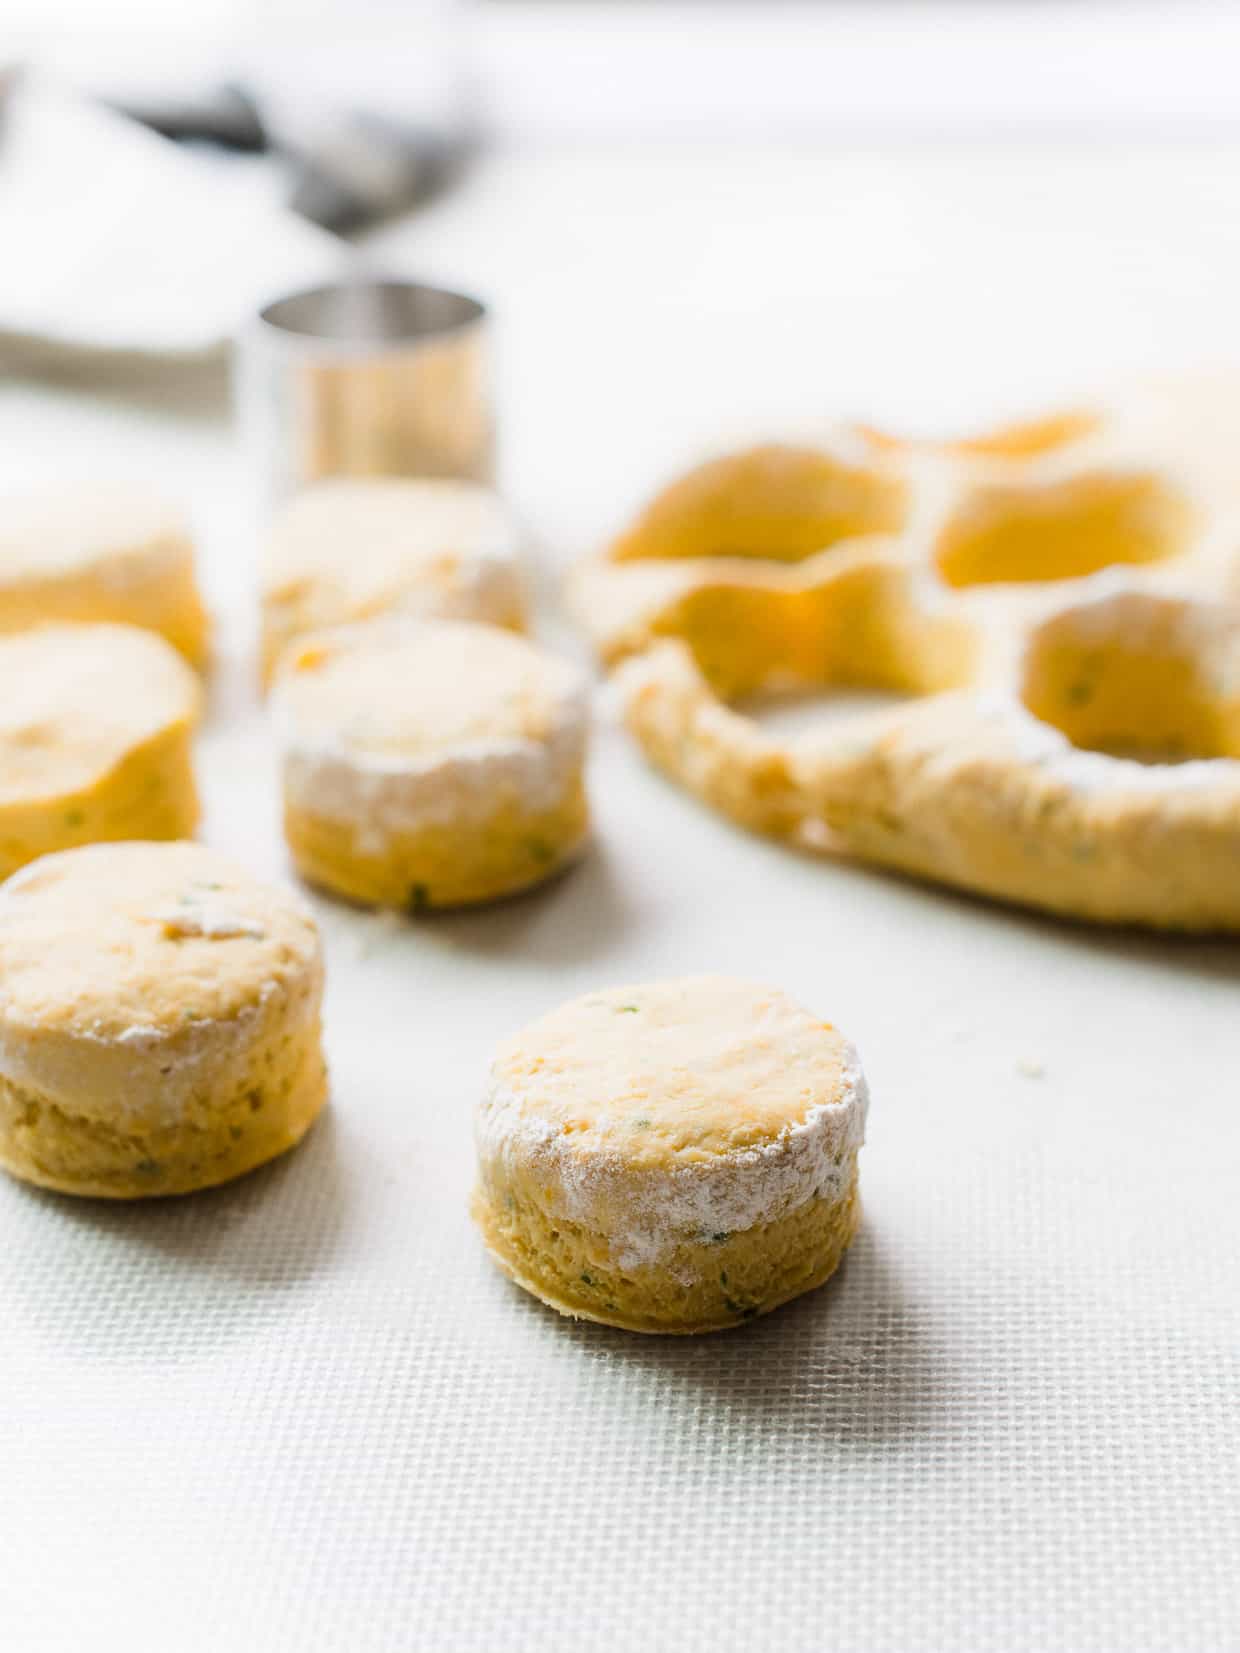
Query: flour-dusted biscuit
x=674, y=1157
x=96, y=725
x=100, y=551
x=350, y=550
x=430, y=764
x=159, y=1020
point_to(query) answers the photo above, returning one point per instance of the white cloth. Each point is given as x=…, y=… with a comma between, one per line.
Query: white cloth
x=116, y=240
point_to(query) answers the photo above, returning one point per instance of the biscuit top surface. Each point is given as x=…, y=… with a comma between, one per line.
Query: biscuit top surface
x=135, y=941
x=367, y=539
x=52, y=532
x=674, y=1073
x=74, y=699
x=398, y=693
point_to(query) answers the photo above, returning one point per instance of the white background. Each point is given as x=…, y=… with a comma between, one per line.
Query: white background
x=677, y=66
x=305, y=1412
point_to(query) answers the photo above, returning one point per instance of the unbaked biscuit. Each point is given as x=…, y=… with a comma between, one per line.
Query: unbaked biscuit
x=159, y=1021
x=100, y=551
x=675, y=1157
x=430, y=764
x=349, y=550
x=96, y=724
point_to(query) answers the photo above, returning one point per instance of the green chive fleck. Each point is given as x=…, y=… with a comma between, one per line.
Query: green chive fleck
x=419, y=899
x=74, y=817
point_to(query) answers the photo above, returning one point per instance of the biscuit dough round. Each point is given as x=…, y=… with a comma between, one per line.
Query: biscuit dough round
x=96, y=724
x=430, y=764
x=100, y=552
x=673, y=1157
x=350, y=550
x=159, y=1021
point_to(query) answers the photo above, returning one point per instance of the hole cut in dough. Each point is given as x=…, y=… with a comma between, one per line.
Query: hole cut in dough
x=1061, y=528
x=1138, y=677
x=853, y=621
x=781, y=502
x=814, y=711
x=1019, y=439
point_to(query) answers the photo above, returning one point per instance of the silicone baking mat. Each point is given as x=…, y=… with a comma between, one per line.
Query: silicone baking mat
x=305, y=1415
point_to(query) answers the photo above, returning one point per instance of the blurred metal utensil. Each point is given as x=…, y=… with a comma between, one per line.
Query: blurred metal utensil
x=223, y=114
x=365, y=167
x=370, y=377
x=357, y=167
